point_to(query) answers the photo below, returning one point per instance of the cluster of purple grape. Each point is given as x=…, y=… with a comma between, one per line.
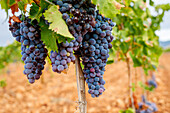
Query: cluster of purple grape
x=78, y=24
x=93, y=38
x=95, y=52
x=64, y=56
x=146, y=106
x=33, y=49
x=152, y=82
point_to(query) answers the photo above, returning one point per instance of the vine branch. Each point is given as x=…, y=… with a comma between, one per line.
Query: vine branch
x=130, y=84
x=80, y=86
x=36, y=3
x=49, y=2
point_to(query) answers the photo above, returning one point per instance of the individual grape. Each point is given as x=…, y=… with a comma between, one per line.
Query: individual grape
x=28, y=65
x=63, y=52
x=96, y=92
x=63, y=62
x=30, y=35
x=60, y=68
x=103, y=52
x=37, y=52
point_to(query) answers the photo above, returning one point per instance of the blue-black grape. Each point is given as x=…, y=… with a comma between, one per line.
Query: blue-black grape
x=95, y=50
x=33, y=49
x=152, y=108
x=93, y=37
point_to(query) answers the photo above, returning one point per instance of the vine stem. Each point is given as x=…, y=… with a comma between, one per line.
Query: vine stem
x=130, y=84
x=49, y=2
x=136, y=77
x=80, y=86
x=36, y=3
x=143, y=81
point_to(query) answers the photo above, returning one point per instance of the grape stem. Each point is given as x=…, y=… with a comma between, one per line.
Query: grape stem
x=49, y=57
x=136, y=77
x=130, y=84
x=36, y=3
x=80, y=86
x=49, y=2
x=58, y=45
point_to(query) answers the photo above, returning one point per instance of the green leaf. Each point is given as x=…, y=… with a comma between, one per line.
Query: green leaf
x=127, y=2
x=164, y=7
x=95, y=1
x=21, y=5
x=10, y=53
x=61, y=38
x=11, y=2
x=44, y=5
x=136, y=61
x=129, y=110
x=4, y=5
x=3, y=83
x=107, y=7
x=110, y=61
x=151, y=2
x=124, y=47
x=57, y=23
x=34, y=11
x=48, y=36
x=144, y=86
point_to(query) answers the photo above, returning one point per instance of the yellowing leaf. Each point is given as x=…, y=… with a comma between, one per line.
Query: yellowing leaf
x=57, y=23
x=14, y=8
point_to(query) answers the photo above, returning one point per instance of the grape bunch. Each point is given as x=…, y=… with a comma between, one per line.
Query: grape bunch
x=152, y=82
x=146, y=106
x=93, y=38
x=33, y=49
x=95, y=52
x=78, y=24
x=63, y=57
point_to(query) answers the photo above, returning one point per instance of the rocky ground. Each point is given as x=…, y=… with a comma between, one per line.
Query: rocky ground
x=58, y=93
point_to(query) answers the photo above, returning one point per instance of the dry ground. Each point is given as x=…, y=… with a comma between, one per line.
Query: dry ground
x=58, y=93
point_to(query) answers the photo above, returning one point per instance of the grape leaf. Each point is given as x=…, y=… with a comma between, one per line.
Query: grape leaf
x=22, y=5
x=14, y=8
x=11, y=2
x=95, y=2
x=48, y=36
x=110, y=61
x=57, y=23
x=14, y=18
x=43, y=5
x=61, y=38
x=4, y=5
x=34, y=10
x=107, y=7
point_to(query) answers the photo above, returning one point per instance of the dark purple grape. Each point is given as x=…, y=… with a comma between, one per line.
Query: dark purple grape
x=60, y=68
x=25, y=32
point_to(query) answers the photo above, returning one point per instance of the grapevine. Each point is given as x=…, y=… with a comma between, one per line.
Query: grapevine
x=88, y=33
